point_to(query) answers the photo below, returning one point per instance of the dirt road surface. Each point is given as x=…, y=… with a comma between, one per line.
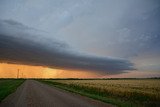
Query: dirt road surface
x=35, y=94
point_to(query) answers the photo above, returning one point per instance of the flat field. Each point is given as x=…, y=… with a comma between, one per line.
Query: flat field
x=121, y=92
x=8, y=86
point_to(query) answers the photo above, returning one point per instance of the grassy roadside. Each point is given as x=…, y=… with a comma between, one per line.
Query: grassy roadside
x=93, y=94
x=9, y=86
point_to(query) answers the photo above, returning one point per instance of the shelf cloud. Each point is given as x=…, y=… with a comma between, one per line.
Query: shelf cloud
x=25, y=45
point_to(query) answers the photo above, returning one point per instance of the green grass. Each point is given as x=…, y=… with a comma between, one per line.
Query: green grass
x=8, y=86
x=96, y=89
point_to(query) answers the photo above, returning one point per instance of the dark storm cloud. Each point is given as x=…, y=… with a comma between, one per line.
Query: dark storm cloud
x=21, y=44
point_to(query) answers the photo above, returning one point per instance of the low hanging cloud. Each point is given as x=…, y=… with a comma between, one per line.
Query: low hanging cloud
x=21, y=44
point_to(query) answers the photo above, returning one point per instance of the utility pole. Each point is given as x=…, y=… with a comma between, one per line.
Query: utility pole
x=18, y=74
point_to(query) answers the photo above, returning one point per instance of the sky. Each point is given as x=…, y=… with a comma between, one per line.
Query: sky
x=80, y=38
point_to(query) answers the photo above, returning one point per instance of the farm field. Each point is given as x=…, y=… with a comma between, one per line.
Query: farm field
x=123, y=92
x=8, y=86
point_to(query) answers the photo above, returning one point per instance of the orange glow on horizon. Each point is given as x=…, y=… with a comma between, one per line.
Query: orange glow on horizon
x=26, y=71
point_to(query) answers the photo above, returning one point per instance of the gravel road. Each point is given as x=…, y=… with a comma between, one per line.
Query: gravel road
x=35, y=94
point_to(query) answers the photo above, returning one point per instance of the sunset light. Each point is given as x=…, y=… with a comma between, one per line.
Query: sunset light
x=26, y=71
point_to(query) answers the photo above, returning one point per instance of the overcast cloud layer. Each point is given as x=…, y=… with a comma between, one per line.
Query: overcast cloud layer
x=61, y=30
